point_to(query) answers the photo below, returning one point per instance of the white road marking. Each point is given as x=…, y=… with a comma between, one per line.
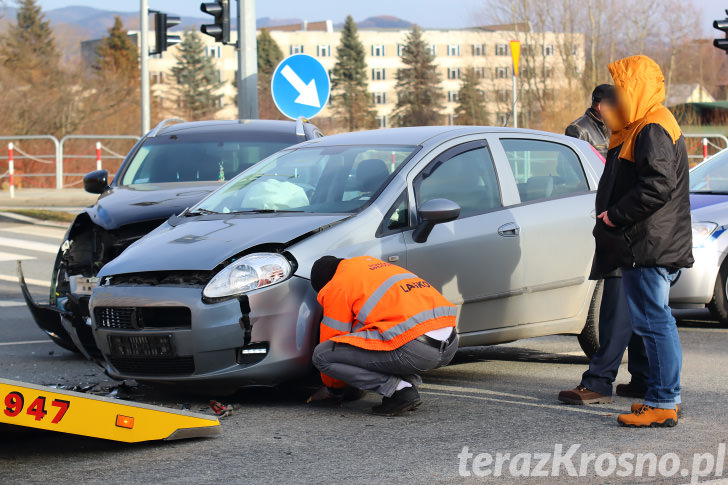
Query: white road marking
x=30, y=281
x=604, y=412
x=26, y=342
x=11, y=303
x=14, y=256
x=28, y=245
x=440, y=387
x=30, y=230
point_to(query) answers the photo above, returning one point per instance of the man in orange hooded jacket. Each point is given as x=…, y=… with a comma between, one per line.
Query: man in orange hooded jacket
x=382, y=327
x=644, y=226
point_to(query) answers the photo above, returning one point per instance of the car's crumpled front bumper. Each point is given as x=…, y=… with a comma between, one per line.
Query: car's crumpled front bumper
x=694, y=287
x=284, y=321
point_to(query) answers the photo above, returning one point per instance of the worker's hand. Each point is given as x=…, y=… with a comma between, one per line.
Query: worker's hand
x=325, y=396
x=604, y=216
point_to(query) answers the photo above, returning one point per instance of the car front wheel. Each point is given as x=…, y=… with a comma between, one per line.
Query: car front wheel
x=589, y=336
x=718, y=306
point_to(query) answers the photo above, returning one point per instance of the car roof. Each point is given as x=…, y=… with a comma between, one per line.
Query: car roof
x=230, y=126
x=418, y=135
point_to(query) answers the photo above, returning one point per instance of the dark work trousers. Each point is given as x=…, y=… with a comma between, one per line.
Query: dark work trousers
x=615, y=335
x=381, y=371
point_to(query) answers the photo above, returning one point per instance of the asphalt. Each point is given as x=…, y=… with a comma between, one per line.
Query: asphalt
x=498, y=399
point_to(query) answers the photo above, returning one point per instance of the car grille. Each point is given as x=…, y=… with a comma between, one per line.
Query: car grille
x=154, y=367
x=130, y=318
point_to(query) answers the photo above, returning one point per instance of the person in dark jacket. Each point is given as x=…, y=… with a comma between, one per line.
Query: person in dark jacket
x=645, y=229
x=615, y=325
x=590, y=126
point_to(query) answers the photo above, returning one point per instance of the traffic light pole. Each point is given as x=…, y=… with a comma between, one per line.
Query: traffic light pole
x=247, y=61
x=144, y=62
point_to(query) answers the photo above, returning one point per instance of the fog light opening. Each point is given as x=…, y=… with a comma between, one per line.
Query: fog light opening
x=252, y=353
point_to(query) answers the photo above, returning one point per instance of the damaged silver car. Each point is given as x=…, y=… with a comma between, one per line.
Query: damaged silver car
x=499, y=220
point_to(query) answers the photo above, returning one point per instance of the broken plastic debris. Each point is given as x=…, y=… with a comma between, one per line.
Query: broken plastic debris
x=221, y=409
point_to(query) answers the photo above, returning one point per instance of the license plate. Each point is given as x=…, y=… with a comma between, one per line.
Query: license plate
x=82, y=285
x=141, y=346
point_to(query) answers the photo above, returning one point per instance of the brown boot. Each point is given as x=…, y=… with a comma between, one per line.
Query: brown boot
x=649, y=417
x=630, y=390
x=582, y=395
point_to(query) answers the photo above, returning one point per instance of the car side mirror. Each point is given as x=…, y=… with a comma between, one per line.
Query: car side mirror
x=433, y=212
x=96, y=182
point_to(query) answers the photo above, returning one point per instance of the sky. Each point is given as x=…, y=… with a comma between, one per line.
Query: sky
x=427, y=13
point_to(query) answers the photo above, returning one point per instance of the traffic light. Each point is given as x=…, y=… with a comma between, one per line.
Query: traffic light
x=220, y=30
x=721, y=25
x=163, y=22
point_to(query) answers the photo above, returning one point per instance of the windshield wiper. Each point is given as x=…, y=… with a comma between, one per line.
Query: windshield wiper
x=262, y=211
x=199, y=212
x=709, y=192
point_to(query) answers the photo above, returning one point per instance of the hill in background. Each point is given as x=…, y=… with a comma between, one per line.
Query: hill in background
x=76, y=24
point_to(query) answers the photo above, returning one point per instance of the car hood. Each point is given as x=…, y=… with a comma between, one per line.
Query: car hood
x=709, y=207
x=122, y=205
x=202, y=243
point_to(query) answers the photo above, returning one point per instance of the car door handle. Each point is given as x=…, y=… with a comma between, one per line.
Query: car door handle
x=510, y=229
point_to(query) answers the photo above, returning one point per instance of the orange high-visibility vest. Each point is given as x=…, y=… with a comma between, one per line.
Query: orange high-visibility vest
x=376, y=305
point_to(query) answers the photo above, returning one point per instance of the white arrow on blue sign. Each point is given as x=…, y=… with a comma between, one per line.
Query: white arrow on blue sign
x=300, y=86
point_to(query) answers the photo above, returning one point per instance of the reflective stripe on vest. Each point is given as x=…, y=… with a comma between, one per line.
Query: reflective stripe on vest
x=374, y=298
x=410, y=323
x=337, y=324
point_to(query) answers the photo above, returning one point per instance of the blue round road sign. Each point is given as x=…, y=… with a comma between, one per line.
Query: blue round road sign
x=300, y=86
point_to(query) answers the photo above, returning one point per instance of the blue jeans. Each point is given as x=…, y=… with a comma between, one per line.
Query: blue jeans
x=615, y=335
x=648, y=293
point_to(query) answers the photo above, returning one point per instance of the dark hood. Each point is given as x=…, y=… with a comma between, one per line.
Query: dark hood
x=122, y=205
x=201, y=243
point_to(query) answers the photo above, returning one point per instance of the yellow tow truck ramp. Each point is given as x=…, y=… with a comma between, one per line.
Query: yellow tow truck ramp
x=39, y=407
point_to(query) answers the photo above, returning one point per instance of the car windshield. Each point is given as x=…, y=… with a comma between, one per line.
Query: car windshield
x=711, y=176
x=332, y=179
x=197, y=158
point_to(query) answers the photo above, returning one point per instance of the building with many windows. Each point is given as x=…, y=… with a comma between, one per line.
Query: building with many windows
x=548, y=60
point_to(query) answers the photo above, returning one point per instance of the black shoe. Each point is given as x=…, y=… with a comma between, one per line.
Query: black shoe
x=403, y=400
x=630, y=390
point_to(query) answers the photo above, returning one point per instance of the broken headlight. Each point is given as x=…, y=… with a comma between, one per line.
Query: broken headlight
x=248, y=273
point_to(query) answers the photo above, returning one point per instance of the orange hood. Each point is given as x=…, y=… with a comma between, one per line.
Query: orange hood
x=641, y=90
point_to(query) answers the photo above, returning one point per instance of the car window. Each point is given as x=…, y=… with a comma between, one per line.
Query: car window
x=711, y=176
x=397, y=217
x=190, y=159
x=338, y=179
x=464, y=175
x=543, y=169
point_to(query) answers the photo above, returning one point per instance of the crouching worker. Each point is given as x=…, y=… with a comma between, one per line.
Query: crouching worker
x=382, y=327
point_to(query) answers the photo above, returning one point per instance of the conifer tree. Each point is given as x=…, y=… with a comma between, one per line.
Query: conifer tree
x=471, y=103
x=29, y=46
x=350, y=95
x=117, y=54
x=197, y=79
x=419, y=95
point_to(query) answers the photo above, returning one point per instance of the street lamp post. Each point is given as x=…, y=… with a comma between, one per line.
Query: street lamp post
x=515, y=55
x=144, y=63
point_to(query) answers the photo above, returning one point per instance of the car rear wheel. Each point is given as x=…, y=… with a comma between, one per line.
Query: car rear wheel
x=589, y=336
x=718, y=306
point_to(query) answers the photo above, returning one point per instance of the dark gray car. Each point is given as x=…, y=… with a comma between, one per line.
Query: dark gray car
x=499, y=220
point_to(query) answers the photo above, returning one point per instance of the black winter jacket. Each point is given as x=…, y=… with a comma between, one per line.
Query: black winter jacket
x=649, y=202
x=590, y=127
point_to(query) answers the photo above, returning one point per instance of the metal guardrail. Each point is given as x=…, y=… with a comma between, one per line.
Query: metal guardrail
x=57, y=158
x=59, y=167
x=706, y=144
